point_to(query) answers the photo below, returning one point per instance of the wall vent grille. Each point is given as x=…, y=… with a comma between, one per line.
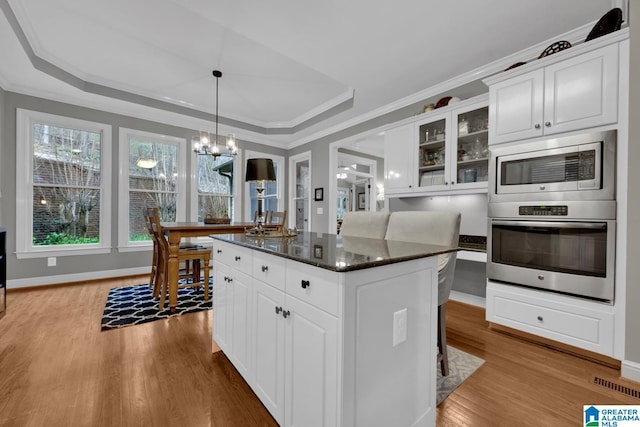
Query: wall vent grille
x=620, y=388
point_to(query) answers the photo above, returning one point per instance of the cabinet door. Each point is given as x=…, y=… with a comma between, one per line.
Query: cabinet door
x=311, y=358
x=399, y=159
x=582, y=92
x=221, y=307
x=469, y=153
x=268, y=350
x=515, y=108
x=433, y=174
x=240, y=288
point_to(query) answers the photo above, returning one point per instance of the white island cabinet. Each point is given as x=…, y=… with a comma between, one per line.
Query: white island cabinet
x=334, y=337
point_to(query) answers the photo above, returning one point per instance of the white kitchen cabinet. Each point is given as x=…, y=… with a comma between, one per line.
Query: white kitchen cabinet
x=311, y=365
x=576, y=93
x=445, y=151
x=295, y=346
x=319, y=339
x=269, y=348
x=569, y=320
x=232, y=311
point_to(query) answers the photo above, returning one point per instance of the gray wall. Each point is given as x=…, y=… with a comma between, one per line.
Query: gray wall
x=37, y=267
x=632, y=350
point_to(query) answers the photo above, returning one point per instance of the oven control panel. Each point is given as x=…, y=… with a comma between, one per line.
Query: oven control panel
x=542, y=210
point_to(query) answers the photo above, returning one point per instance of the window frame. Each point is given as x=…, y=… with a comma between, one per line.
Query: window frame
x=235, y=193
x=25, y=120
x=124, y=137
x=280, y=181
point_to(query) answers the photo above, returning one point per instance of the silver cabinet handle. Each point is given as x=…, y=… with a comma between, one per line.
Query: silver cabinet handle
x=540, y=318
x=547, y=124
x=237, y=258
x=264, y=268
x=537, y=126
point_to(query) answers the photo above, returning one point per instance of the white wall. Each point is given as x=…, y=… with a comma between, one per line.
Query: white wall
x=473, y=208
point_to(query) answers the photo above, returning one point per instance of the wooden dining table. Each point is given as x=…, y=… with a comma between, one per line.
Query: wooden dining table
x=176, y=231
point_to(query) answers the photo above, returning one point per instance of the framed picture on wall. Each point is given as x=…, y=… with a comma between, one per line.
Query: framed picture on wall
x=361, y=201
x=319, y=194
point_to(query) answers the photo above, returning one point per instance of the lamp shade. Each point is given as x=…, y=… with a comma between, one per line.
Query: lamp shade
x=260, y=170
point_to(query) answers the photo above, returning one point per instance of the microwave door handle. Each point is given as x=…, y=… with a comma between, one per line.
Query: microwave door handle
x=552, y=224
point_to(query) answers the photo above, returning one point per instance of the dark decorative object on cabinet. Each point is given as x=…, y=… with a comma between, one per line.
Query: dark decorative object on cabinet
x=610, y=22
x=443, y=102
x=555, y=48
x=517, y=64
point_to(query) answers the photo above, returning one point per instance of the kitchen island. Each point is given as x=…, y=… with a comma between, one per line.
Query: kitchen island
x=330, y=330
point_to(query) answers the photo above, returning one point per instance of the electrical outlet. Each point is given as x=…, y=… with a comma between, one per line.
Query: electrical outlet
x=320, y=211
x=399, y=326
x=51, y=261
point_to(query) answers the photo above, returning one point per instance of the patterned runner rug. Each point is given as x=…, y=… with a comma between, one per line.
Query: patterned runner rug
x=133, y=305
x=461, y=366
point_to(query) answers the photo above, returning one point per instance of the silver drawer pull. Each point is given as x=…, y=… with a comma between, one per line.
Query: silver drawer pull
x=237, y=258
x=264, y=268
x=537, y=126
x=541, y=277
x=540, y=318
x=547, y=124
x=286, y=313
x=278, y=310
x=305, y=284
x=219, y=251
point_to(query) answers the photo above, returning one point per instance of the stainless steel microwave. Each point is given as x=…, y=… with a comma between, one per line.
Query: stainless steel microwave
x=577, y=167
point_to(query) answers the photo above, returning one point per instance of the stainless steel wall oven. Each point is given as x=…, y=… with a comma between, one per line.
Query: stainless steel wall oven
x=552, y=214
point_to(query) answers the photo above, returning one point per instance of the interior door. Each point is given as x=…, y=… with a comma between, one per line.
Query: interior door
x=300, y=181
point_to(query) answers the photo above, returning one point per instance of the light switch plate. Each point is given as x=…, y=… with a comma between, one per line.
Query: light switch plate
x=399, y=326
x=51, y=261
x=319, y=211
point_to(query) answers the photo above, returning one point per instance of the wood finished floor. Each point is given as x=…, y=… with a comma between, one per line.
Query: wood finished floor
x=58, y=369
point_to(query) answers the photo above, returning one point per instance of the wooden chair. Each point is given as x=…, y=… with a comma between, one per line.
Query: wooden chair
x=193, y=279
x=277, y=218
x=436, y=228
x=189, y=268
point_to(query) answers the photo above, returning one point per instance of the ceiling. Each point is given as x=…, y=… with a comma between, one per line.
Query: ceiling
x=291, y=68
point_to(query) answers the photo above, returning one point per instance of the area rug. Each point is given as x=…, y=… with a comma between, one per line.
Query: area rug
x=133, y=305
x=461, y=366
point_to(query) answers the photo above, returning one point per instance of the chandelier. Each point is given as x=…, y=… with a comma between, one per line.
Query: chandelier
x=202, y=144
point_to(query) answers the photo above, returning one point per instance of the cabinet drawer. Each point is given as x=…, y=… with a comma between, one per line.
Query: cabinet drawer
x=569, y=322
x=234, y=256
x=313, y=285
x=269, y=269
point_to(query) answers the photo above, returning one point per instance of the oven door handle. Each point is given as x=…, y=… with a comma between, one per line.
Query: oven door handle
x=552, y=224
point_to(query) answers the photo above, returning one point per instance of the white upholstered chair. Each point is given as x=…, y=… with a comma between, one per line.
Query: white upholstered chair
x=372, y=225
x=436, y=228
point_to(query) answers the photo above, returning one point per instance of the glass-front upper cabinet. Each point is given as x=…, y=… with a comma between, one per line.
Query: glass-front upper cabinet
x=472, y=149
x=432, y=152
x=441, y=152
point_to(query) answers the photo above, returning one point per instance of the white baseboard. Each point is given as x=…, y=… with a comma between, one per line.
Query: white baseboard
x=75, y=277
x=468, y=298
x=630, y=370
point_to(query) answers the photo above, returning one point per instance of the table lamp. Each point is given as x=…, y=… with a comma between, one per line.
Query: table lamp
x=260, y=170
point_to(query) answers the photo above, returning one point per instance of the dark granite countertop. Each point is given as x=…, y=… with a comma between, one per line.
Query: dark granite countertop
x=335, y=252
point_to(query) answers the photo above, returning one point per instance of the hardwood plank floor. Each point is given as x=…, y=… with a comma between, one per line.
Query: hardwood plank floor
x=58, y=369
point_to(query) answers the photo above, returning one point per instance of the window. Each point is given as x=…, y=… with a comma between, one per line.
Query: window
x=273, y=191
x=152, y=172
x=63, y=193
x=215, y=187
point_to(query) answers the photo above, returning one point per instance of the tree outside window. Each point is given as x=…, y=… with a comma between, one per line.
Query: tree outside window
x=153, y=181
x=66, y=185
x=215, y=187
